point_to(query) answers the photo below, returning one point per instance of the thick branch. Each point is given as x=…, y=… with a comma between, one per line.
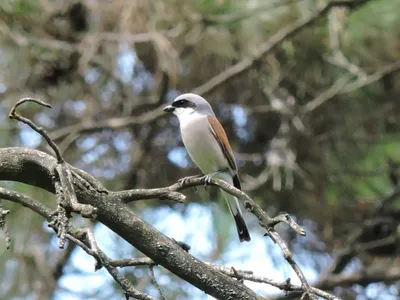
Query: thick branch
x=78, y=237
x=238, y=274
x=35, y=168
x=265, y=221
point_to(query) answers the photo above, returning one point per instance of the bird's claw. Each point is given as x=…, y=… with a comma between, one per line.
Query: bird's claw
x=209, y=177
x=182, y=181
x=207, y=180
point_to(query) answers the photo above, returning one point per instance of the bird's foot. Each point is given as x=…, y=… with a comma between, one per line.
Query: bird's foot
x=209, y=177
x=185, y=180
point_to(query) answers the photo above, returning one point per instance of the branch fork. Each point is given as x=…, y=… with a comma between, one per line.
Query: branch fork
x=67, y=201
x=66, y=178
x=265, y=221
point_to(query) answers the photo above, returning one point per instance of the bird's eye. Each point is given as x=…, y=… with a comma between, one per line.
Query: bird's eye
x=180, y=103
x=184, y=103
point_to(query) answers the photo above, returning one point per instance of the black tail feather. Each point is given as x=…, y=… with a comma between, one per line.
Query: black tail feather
x=236, y=182
x=241, y=227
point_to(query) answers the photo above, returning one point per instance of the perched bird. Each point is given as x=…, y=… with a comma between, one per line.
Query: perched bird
x=207, y=144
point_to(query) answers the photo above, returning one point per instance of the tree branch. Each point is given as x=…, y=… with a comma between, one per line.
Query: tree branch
x=265, y=221
x=363, y=277
x=83, y=238
x=238, y=274
x=67, y=192
x=270, y=45
x=3, y=225
x=35, y=168
x=112, y=124
x=13, y=115
x=345, y=84
x=285, y=286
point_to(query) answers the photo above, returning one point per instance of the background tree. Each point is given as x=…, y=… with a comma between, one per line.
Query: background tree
x=308, y=93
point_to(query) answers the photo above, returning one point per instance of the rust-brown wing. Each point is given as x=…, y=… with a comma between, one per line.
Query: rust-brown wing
x=220, y=135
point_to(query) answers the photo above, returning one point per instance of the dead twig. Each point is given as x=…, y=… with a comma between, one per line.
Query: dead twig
x=265, y=221
x=285, y=285
x=63, y=178
x=3, y=225
x=15, y=116
x=154, y=281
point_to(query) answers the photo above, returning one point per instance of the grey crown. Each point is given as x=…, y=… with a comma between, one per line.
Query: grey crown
x=197, y=102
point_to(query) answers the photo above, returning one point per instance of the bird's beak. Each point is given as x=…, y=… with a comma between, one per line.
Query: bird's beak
x=169, y=108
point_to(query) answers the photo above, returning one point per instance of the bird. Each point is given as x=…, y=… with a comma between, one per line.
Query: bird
x=208, y=146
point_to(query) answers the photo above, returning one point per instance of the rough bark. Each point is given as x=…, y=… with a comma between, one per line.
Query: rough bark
x=35, y=168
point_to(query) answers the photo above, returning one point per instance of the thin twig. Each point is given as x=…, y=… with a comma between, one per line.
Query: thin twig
x=267, y=47
x=3, y=225
x=85, y=239
x=374, y=77
x=232, y=272
x=285, y=285
x=268, y=223
x=81, y=238
x=132, y=262
x=345, y=255
x=66, y=197
x=113, y=124
x=252, y=12
x=265, y=221
x=154, y=281
x=63, y=169
x=172, y=192
x=65, y=177
x=14, y=115
x=326, y=95
x=88, y=180
x=345, y=84
x=61, y=216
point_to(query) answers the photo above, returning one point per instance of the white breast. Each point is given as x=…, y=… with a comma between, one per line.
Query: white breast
x=200, y=143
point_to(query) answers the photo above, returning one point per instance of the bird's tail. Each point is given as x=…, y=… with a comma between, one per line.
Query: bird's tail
x=236, y=212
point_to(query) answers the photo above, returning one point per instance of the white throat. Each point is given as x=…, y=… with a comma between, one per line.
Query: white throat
x=186, y=115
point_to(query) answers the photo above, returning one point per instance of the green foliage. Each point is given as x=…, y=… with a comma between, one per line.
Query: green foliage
x=373, y=25
x=218, y=7
x=18, y=7
x=376, y=18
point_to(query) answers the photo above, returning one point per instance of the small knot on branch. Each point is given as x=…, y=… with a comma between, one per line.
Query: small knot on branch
x=288, y=283
x=237, y=275
x=288, y=220
x=183, y=245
